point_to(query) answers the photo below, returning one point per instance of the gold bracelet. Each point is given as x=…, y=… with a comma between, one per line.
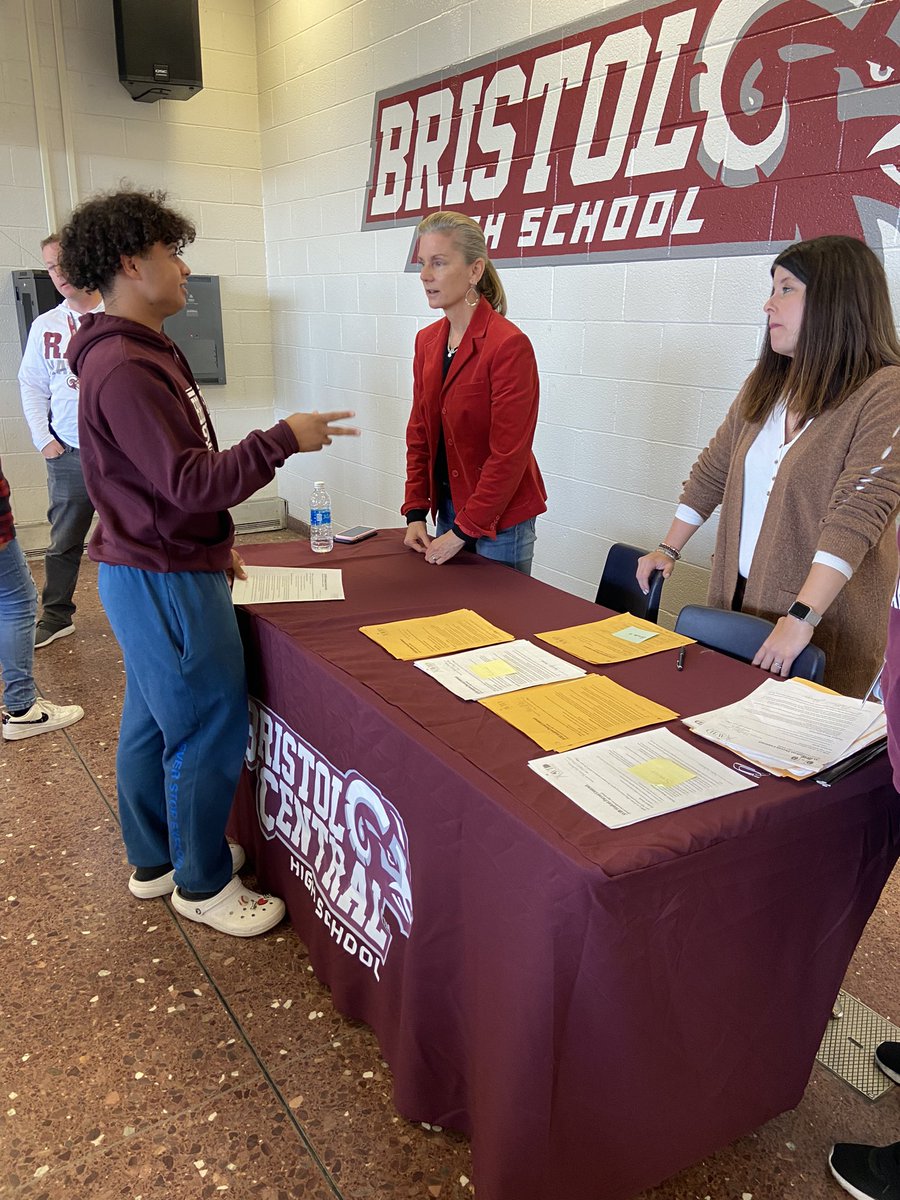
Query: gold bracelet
x=669, y=551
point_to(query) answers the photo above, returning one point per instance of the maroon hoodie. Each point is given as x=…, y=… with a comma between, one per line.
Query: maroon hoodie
x=151, y=463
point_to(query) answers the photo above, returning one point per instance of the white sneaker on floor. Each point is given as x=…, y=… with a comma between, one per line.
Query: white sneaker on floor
x=164, y=885
x=236, y=910
x=42, y=717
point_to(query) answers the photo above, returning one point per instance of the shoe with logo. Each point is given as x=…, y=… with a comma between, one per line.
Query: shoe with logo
x=44, y=634
x=867, y=1172
x=42, y=717
x=164, y=885
x=236, y=910
x=887, y=1056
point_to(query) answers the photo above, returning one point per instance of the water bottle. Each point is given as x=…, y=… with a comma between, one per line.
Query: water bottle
x=321, y=539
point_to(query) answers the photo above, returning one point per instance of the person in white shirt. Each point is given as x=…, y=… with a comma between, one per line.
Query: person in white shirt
x=50, y=402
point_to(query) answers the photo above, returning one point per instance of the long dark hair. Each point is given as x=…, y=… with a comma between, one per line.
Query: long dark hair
x=847, y=332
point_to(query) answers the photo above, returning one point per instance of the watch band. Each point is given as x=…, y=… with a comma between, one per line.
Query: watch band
x=804, y=613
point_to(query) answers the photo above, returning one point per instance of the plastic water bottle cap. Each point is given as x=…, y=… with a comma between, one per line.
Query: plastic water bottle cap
x=319, y=483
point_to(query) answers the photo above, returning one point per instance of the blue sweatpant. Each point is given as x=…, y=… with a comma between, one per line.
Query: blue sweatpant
x=184, y=719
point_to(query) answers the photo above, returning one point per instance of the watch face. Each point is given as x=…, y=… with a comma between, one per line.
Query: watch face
x=803, y=613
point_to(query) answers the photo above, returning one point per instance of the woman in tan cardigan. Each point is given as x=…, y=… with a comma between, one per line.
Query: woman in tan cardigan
x=806, y=468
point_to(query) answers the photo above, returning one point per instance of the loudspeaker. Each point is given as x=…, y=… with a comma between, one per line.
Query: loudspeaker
x=158, y=48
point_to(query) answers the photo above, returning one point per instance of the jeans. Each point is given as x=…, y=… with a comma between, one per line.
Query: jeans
x=18, y=604
x=184, y=718
x=514, y=547
x=70, y=516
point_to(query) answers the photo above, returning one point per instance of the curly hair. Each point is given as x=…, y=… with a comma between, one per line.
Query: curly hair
x=107, y=226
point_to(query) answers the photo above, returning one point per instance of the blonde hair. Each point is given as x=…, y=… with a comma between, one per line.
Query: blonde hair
x=468, y=237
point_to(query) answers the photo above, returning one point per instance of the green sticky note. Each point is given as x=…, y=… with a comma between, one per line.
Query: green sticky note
x=631, y=633
x=661, y=772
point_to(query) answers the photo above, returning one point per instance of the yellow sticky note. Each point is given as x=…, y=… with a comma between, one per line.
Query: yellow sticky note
x=661, y=772
x=493, y=669
x=631, y=633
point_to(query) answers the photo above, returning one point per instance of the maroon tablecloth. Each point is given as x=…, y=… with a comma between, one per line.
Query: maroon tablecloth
x=596, y=1008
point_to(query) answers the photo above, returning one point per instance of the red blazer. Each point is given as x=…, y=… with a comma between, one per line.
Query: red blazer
x=488, y=405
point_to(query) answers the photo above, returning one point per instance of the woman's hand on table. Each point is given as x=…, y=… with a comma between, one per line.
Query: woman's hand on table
x=417, y=537
x=443, y=548
x=777, y=653
x=656, y=560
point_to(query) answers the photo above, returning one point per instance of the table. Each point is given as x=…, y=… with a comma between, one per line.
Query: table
x=595, y=1008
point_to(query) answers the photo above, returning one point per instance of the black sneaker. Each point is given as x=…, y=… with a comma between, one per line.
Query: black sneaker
x=44, y=635
x=867, y=1172
x=887, y=1056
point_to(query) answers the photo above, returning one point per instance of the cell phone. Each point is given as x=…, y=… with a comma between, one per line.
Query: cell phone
x=357, y=533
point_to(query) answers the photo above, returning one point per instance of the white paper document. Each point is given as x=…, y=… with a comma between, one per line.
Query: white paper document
x=496, y=670
x=792, y=728
x=285, y=585
x=633, y=778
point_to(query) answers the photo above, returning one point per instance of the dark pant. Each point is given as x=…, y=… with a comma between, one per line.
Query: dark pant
x=70, y=516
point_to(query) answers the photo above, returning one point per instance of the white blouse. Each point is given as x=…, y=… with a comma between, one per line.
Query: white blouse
x=761, y=466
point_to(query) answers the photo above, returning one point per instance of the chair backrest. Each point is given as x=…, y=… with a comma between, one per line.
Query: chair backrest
x=740, y=635
x=619, y=588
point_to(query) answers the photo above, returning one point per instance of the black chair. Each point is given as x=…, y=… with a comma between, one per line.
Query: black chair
x=619, y=588
x=740, y=635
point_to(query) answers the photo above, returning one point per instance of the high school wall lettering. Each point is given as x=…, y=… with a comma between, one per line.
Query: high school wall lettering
x=730, y=126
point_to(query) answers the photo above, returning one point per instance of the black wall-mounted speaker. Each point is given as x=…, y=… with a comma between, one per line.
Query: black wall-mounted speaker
x=158, y=48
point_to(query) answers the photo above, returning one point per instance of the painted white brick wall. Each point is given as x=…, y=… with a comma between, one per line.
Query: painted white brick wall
x=639, y=361
x=205, y=152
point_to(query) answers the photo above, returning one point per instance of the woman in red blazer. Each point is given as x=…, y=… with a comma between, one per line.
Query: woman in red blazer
x=475, y=402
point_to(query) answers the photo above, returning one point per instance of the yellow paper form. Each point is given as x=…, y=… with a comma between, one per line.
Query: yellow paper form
x=615, y=639
x=564, y=716
x=447, y=633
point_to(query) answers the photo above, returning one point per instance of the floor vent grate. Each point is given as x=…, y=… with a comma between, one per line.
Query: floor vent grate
x=848, y=1047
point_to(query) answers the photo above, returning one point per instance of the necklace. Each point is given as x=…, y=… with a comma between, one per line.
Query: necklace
x=451, y=350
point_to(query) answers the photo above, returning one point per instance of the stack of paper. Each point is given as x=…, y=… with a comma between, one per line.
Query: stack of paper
x=563, y=716
x=494, y=670
x=287, y=585
x=634, y=778
x=792, y=729
x=615, y=639
x=421, y=637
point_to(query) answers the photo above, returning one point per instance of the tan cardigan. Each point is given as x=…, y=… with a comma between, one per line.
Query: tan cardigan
x=836, y=490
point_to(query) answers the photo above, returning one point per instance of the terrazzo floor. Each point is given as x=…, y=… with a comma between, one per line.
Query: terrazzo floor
x=143, y=1056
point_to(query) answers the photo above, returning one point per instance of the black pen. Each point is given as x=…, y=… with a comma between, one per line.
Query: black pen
x=679, y=666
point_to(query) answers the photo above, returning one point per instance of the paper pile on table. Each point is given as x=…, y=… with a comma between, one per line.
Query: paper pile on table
x=792, y=728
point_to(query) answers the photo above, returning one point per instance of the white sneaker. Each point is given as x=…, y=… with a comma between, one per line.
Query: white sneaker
x=42, y=717
x=236, y=910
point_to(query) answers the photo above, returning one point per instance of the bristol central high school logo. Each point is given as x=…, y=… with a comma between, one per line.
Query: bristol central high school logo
x=668, y=130
x=347, y=842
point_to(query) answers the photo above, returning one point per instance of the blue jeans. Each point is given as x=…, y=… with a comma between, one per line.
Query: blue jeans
x=70, y=515
x=514, y=547
x=184, y=719
x=18, y=605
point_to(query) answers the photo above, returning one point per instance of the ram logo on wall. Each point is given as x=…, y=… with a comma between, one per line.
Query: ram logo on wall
x=679, y=129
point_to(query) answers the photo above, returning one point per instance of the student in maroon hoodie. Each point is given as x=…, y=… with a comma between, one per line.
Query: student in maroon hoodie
x=162, y=489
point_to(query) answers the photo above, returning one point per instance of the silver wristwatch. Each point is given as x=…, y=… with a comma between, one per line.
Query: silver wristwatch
x=804, y=613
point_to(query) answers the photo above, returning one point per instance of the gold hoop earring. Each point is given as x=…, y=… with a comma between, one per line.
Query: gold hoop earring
x=471, y=303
